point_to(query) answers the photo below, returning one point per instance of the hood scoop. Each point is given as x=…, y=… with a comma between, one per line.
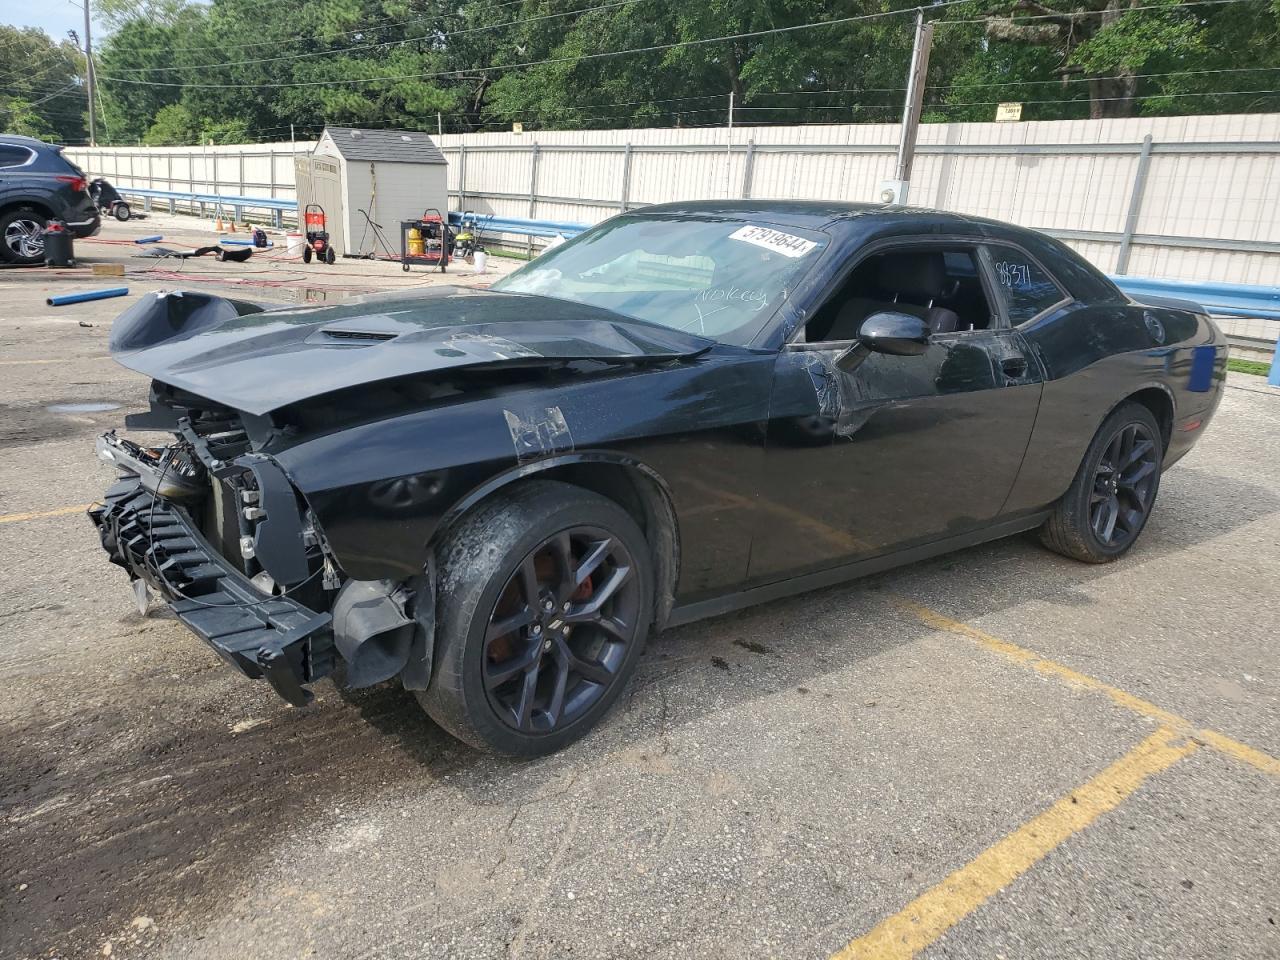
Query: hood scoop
x=374, y=328
x=357, y=336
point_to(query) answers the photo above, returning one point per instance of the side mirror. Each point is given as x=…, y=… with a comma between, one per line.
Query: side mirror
x=898, y=334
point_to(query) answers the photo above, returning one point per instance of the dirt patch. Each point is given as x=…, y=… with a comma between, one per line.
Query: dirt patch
x=149, y=803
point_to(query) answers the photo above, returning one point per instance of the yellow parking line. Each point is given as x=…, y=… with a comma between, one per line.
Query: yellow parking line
x=1051, y=668
x=934, y=912
x=42, y=514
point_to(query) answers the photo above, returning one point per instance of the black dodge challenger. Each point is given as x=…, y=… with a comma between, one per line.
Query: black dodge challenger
x=496, y=495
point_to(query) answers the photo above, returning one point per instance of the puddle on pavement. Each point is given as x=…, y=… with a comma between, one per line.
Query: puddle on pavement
x=91, y=406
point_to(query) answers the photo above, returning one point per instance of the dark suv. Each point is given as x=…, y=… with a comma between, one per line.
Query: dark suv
x=39, y=184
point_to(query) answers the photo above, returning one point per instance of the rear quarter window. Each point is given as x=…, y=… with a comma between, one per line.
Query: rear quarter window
x=1027, y=289
x=13, y=156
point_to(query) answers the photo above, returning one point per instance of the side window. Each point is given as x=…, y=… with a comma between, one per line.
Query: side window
x=11, y=156
x=941, y=285
x=1027, y=289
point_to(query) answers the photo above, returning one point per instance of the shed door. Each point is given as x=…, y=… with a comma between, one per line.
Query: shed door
x=326, y=185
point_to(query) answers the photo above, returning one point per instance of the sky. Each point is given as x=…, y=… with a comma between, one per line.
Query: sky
x=54, y=17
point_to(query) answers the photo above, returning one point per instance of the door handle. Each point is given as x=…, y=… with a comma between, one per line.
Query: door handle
x=1015, y=368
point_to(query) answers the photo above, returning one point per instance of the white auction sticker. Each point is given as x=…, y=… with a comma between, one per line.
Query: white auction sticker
x=786, y=244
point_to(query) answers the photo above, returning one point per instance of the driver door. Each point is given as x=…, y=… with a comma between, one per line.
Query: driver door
x=869, y=453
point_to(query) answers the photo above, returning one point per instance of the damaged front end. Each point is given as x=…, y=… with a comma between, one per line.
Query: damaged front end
x=212, y=522
x=218, y=531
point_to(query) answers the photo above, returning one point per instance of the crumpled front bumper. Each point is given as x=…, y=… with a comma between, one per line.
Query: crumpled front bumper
x=263, y=636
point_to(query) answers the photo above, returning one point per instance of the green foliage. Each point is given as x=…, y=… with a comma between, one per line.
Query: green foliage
x=174, y=125
x=1133, y=39
x=251, y=68
x=41, y=93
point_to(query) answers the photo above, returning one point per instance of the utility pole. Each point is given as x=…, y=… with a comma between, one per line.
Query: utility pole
x=911, y=110
x=728, y=153
x=88, y=73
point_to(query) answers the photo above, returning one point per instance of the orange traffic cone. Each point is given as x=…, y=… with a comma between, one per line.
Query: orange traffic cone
x=218, y=226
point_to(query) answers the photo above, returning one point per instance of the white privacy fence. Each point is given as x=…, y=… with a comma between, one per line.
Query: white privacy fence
x=254, y=170
x=1194, y=198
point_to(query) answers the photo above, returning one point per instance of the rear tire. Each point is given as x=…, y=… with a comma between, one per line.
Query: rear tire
x=329, y=256
x=544, y=681
x=306, y=254
x=1110, y=500
x=22, y=236
x=122, y=212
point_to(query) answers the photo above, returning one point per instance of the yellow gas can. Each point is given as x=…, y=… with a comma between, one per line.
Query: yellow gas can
x=416, y=247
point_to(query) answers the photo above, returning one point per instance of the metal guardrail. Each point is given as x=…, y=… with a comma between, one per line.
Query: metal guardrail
x=237, y=204
x=526, y=228
x=1219, y=299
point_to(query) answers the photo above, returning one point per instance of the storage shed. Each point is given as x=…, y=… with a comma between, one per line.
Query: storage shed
x=392, y=175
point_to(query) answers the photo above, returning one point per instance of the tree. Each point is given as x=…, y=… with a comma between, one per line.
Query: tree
x=1106, y=42
x=173, y=126
x=253, y=68
x=42, y=94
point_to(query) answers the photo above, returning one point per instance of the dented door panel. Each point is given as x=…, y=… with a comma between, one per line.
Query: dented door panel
x=893, y=452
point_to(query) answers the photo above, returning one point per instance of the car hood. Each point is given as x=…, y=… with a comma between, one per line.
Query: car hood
x=257, y=359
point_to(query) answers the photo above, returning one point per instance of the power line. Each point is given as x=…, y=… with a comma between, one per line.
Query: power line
x=648, y=49
x=1075, y=14
x=655, y=48
x=1136, y=76
x=1086, y=100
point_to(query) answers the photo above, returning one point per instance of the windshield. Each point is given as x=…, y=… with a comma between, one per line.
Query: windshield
x=716, y=278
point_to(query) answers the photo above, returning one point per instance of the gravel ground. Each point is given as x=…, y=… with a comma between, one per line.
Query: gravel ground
x=775, y=782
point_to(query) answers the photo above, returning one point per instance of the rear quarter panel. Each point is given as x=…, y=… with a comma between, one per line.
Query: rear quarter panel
x=1095, y=356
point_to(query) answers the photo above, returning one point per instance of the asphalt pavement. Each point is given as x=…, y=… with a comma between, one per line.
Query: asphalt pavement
x=998, y=753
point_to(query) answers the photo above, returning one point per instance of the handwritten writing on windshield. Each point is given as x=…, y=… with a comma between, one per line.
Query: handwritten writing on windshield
x=754, y=300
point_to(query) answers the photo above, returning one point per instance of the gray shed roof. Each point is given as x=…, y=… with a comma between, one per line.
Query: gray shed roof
x=396, y=146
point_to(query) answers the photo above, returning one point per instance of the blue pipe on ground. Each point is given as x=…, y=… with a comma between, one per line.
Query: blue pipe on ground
x=86, y=297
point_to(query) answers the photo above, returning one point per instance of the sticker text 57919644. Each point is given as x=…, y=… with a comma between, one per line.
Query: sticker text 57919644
x=787, y=244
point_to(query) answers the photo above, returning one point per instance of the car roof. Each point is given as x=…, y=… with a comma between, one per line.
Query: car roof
x=17, y=140
x=818, y=214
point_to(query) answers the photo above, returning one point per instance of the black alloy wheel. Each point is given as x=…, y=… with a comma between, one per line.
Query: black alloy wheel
x=558, y=635
x=1114, y=491
x=1124, y=485
x=544, y=599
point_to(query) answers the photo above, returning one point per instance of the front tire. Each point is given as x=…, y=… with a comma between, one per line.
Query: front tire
x=122, y=212
x=22, y=236
x=1110, y=500
x=544, y=601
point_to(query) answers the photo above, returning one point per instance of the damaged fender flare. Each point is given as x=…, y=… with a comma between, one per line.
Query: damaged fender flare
x=661, y=527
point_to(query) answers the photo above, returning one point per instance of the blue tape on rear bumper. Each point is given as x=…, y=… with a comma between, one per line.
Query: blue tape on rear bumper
x=1202, y=359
